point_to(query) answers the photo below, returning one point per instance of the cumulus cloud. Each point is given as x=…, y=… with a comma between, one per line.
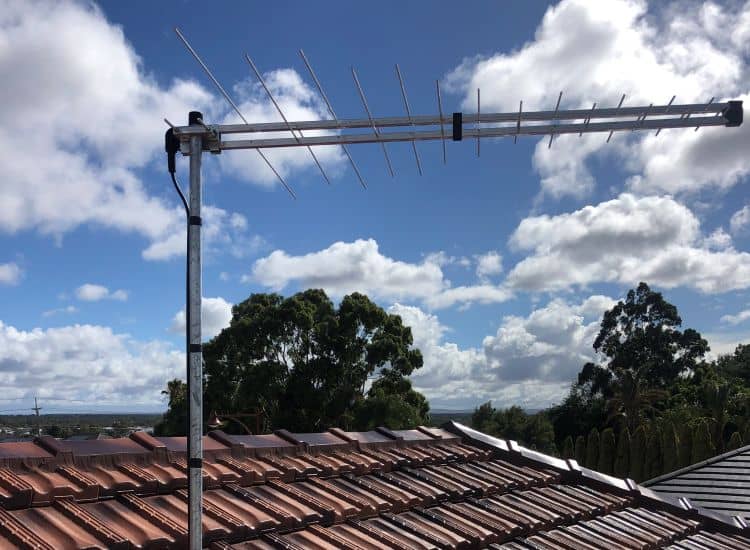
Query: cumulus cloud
x=222, y=231
x=468, y=295
x=618, y=47
x=551, y=344
x=10, y=273
x=529, y=361
x=215, y=316
x=740, y=219
x=93, y=293
x=625, y=240
x=84, y=364
x=298, y=101
x=359, y=266
x=737, y=318
x=489, y=264
x=96, y=121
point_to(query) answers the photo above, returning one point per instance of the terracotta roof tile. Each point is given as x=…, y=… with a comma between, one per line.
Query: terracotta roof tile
x=421, y=488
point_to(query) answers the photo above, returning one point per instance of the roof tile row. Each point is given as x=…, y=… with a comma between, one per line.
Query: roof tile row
x=425, y=488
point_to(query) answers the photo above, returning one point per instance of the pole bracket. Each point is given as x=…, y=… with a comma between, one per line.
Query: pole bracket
x=195, y=220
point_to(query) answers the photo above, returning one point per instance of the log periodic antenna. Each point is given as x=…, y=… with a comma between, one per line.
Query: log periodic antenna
x=197, y=136
x=233, y=105
x=333, y=116
x=372, y=122
x=408, y=113
x=281, y=113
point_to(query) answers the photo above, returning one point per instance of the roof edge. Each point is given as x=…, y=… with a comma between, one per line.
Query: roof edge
x=681, y=507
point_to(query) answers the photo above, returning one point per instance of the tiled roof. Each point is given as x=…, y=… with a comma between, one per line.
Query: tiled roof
x=721, y=483
x=424, y=488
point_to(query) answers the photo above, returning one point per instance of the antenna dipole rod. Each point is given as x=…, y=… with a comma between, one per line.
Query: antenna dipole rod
x=442, y=128
x=479, y=120
x=281, y=113
x=710, y=101
x=557, y=106
x=333, y=116
x=587, y=119
x=667, y=110
x=408, y=114
x=372, y=121
x=233, y=104
x=616, y=111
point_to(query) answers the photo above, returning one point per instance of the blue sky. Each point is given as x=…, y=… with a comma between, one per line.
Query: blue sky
x=502, y=264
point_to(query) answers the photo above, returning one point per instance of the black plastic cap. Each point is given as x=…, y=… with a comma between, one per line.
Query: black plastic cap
x=171, y=146
x=193, y=117
x=733, y=113
x=458, y=128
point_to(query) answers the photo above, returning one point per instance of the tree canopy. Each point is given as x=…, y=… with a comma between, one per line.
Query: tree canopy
x=640, y=337
x=305, y=364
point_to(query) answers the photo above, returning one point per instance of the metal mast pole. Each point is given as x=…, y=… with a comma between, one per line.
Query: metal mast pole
x=195, y=354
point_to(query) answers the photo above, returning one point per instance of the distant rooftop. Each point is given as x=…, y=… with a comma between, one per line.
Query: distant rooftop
x=721, y=483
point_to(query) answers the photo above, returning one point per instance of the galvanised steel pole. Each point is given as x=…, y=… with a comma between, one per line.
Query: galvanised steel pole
x=195, y=354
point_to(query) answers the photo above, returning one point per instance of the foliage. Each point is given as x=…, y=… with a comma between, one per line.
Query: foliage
x=534, y=431
x=652, y=386
x=580, y=450
x=685, y=446
x=640, y=336
x=638, y=453
x=670, y=460
x=304, y=365
x=577, y=414
x=607, y=452
x=703, y=446
x=392, y=402
x=653, y=464
x=737, y=365
x=175, y=421
x=592, y=449
x=735, y=442
x=622, y=459
x=568, y=449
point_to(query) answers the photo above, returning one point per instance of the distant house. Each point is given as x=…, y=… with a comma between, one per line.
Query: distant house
x=721, y=483
x=424, y=488
x=88, y=437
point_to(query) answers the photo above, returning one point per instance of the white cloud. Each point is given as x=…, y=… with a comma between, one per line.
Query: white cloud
x=489, y=264
x=84, y=364
x=343, y=268
x=215, y=316
x=617, y=48
x=529, y=361
x=93, y=293
x=737, y=318
x=624, y=240
x=740, y=219
x=68, y=310
x=551, y=344
x=96, y=120
x=359, y=266
x=10, y=273
x=718, y=240
x=467, y=295
x=221, y=231
x=298, y=101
